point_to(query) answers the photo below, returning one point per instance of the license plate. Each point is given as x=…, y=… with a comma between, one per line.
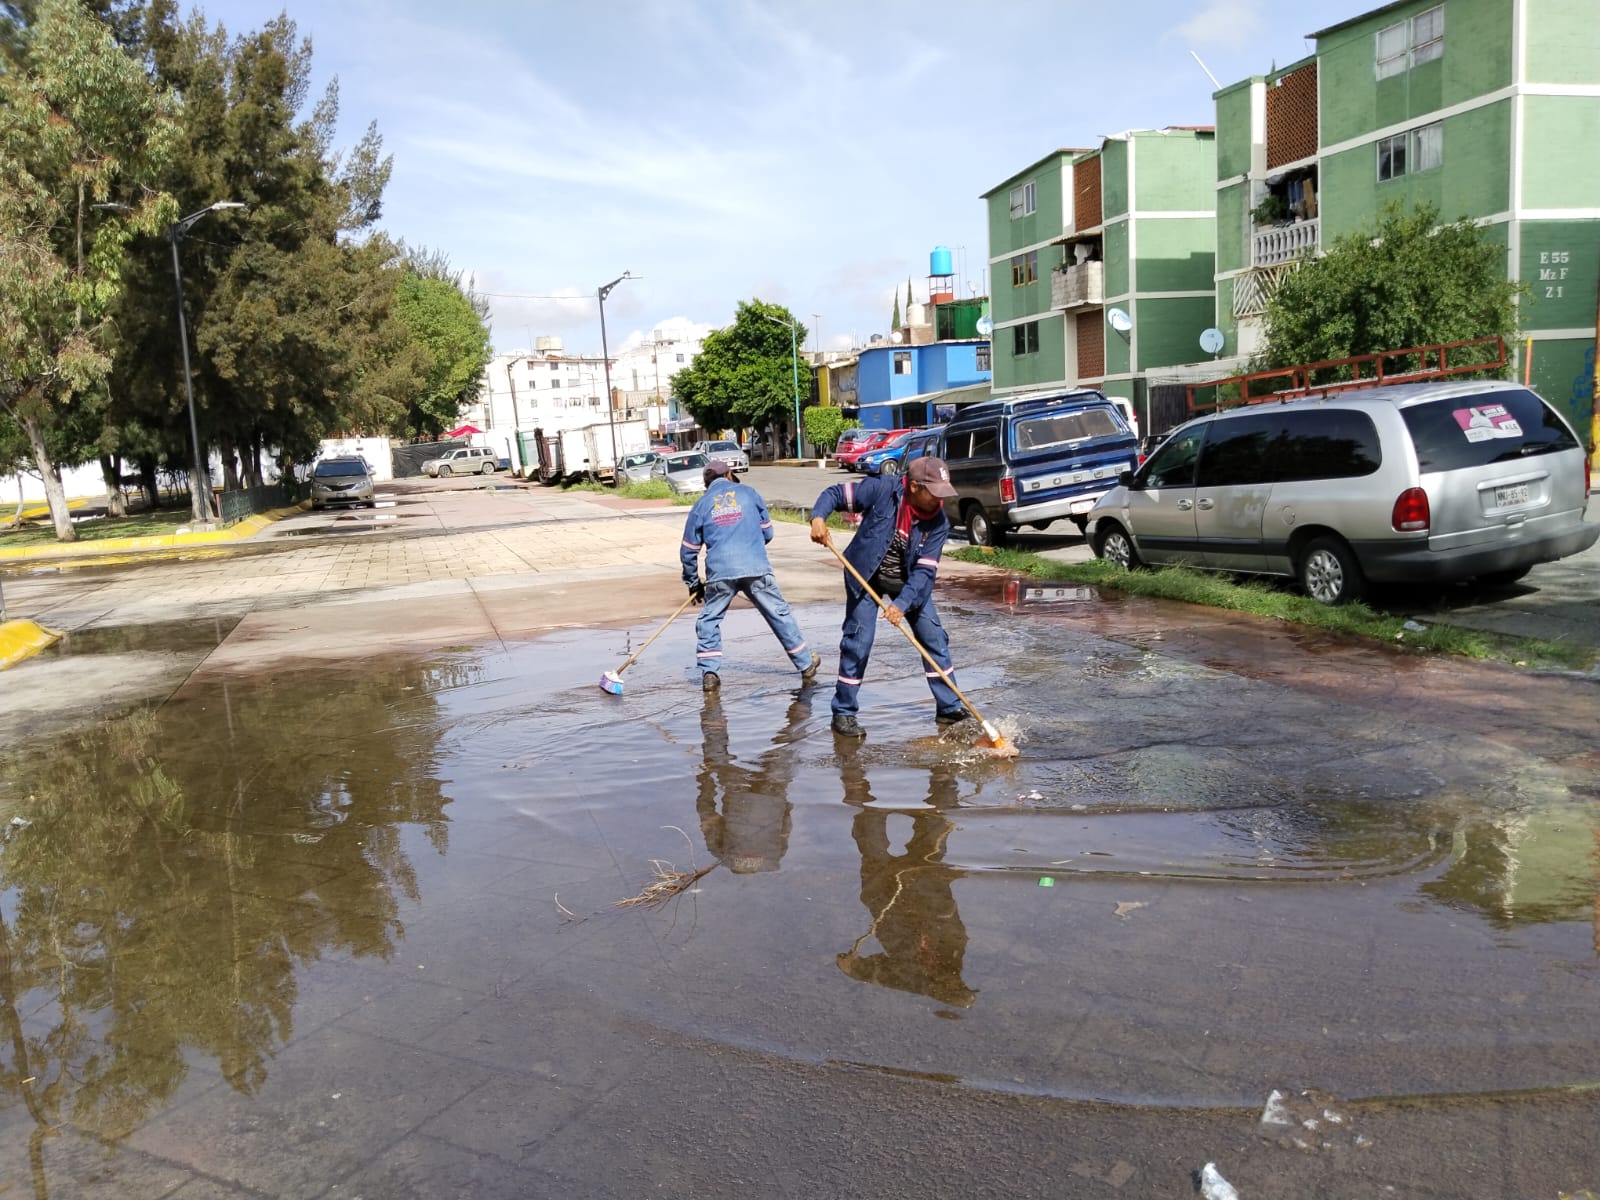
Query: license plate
x=1056, y=594
x=1511, y=495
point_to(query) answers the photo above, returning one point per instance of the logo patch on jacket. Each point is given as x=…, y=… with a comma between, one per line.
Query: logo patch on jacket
x=725, y=509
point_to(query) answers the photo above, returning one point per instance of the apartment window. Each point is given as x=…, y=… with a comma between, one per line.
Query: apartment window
x=902, y=362
x=1420, y=149
x=983, y=358
x=555, y=383
x=1025, y=269
x=1392, y=157
x=555, y=366
x=680, y=358
x=1024, y=200
x=1025, y=338
x=1406, y=44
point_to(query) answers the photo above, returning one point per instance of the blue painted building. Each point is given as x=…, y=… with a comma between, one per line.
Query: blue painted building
x=901, y=387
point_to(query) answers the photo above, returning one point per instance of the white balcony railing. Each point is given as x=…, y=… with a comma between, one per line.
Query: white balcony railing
x=1078, y=286
x=1284, y=243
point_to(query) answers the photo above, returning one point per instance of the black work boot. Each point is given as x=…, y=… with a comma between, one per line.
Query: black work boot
x=710, y=681
x=811, y=669
x=847, y=726
x=946, y=719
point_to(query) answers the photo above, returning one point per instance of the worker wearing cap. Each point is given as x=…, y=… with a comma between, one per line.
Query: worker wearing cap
x=896, y=548
x=730, y=522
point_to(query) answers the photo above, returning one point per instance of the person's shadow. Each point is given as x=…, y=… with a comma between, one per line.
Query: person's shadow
x=745, y=813
x=914, y=917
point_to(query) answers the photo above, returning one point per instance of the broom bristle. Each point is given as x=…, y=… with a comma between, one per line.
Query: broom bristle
x=611, y=682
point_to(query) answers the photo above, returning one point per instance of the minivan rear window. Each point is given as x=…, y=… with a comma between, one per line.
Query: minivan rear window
x=1476, y=430
x=1048, y=430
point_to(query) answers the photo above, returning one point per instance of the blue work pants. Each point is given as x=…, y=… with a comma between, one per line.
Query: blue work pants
x=764, y=594
x=860, y=624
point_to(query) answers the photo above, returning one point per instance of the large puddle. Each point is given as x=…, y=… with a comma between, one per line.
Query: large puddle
x=1209, y=875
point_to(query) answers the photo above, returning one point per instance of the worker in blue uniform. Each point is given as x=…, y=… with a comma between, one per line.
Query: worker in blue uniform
x=730, y=522
x=896, y=548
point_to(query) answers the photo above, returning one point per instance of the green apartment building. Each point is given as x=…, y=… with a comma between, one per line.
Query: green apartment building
x=1129, y=226
x=1488, y=108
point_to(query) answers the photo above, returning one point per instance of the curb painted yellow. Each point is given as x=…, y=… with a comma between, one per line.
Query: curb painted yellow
x=22, y=639
x=249, y=527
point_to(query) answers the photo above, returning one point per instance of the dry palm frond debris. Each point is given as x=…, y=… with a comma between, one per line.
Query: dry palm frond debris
x=669, y=881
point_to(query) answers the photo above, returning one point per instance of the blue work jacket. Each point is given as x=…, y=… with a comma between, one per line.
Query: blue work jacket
x=731, y=522
x=877, y=498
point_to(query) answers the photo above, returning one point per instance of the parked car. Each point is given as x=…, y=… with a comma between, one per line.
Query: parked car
x=684, y=473
x=886, y=458
x=920, y=443
x=635, y=468
x=728, y=452
x=1400, y=483
x=849, y=440
x=464, y=460
x=344, y=479
x=1031, y=460
x=850, y=459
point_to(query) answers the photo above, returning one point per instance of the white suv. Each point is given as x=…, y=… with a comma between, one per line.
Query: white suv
x=466, y=460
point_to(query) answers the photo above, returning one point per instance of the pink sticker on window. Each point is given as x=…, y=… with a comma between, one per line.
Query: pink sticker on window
x=1487, y=421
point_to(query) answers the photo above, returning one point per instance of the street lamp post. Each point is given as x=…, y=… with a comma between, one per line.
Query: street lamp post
x=794, y=348
x=201, y=506
x=605, y=356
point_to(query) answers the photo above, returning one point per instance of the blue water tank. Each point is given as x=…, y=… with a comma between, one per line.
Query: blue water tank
x=939, y=261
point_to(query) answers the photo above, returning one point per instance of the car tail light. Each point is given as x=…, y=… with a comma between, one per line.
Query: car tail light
x=1008, y=491
x=1013, y=591
x=1411, y=511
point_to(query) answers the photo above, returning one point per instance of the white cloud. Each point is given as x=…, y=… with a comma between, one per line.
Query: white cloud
x=1229, y=24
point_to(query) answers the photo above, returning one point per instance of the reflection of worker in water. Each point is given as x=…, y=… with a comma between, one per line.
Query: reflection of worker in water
x=750, y=830
x=914, y=915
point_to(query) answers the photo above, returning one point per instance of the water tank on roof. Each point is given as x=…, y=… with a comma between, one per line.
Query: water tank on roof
x=939, y=262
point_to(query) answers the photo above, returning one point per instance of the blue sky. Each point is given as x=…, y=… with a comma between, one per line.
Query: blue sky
x=809, y=154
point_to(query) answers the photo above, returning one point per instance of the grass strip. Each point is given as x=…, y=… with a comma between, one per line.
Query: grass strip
x=98, y=529
x=1264, y=598
x=650, y=489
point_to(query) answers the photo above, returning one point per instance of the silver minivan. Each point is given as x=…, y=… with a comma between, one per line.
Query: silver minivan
x=1400, y=483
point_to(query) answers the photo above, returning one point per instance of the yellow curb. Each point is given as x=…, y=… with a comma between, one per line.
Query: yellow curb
x=248, y=527
x=22, y=639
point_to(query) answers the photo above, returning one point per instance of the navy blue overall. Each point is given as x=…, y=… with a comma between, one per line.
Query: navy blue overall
x=878, y=499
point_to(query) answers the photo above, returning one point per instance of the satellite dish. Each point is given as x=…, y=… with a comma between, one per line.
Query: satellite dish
x=897, y=337
x=985, y=326
x=1120, y=321
x=1211, y=340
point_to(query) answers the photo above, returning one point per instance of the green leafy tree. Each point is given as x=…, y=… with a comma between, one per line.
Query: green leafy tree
x=1406, y=280
x=455, y=344
x=80, y=125
x=824, y=424
x=744, y=374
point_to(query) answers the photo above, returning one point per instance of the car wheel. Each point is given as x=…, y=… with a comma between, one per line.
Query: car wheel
x=488, y=469
x=1496, y=579
x=445, y=472
x=982, y=530
x=1115, y=545
x=891, y=468
x=1329, y=572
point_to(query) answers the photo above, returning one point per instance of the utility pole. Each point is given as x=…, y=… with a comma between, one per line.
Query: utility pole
x=605, y=353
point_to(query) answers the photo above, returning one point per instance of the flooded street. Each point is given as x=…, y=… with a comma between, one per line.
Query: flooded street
x=351, y=929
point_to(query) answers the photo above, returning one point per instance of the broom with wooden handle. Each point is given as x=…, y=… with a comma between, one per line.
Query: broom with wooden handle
x=611, y=681
x=993, y=740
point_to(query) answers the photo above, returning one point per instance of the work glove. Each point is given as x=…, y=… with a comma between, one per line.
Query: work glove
x=697, y=592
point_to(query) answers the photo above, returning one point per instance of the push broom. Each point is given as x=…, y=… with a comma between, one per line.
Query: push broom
x=611, y=681
x=992, y=740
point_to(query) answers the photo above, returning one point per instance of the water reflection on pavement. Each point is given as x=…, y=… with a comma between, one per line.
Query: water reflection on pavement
x=338, y=932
